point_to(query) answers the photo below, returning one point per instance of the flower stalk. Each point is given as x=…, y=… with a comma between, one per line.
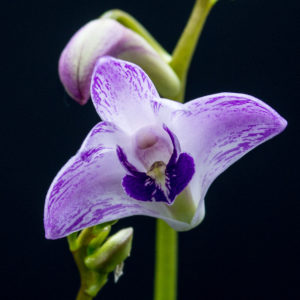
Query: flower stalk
x=185, y=48
x=165, y=282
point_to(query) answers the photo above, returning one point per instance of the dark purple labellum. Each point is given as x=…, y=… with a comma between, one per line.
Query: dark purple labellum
x=170, y=181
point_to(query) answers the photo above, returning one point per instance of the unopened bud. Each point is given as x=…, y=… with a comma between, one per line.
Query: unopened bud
x=97, y=241
x=108, y=37
x=113, y=252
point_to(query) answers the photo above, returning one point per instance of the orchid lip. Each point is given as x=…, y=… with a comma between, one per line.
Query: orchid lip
x=161, y=182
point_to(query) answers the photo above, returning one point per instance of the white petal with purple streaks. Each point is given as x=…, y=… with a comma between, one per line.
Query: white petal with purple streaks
x=221, y=129
x=122, y=93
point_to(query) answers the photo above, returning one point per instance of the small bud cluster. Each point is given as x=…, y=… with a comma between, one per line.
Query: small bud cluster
x=97, y=255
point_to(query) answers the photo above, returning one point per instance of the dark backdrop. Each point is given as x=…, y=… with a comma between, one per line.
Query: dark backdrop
x=247, y=247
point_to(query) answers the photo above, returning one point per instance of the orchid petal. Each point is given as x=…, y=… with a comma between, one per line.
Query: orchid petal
x=219, y=129
x=121, y=93
x=71, y=199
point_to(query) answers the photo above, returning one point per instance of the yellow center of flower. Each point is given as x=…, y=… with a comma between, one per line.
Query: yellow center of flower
x=157, y=172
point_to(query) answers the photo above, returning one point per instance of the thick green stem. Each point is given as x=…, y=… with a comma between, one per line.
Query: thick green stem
x=185, y=48
x=84, y=274
x=165, y=285
x=90, y=281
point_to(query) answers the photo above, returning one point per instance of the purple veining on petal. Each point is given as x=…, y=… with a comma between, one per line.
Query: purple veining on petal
x=87, y=155
x=121, y=93
x=155, y=106
x=63, y=181
x=114, y=72
x=248, y=141
x=104, y=127
x=98, y=214
x=213, y=99
x=220, y=102
x=228, y=126
x=102, y=211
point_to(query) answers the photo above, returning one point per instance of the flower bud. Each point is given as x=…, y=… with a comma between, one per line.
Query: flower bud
x=108, y=37
x=113, y=252
x=97, y=241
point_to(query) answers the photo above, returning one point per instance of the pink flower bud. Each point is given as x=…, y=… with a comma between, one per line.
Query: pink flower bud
x=103, y=37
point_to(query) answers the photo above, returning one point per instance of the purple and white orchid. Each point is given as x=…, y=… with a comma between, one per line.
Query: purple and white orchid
x=152, y=156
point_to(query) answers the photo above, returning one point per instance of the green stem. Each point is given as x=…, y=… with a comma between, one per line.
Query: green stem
x=165, y=285
x=84, y=274
x=82, y=295
x=90, y=281
x=185, y=48
x=131, y=23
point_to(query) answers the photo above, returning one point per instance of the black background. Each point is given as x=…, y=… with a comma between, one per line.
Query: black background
x=247, y=247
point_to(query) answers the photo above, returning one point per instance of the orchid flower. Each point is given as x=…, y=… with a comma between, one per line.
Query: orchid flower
x=108, y=37
x=152, y=156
